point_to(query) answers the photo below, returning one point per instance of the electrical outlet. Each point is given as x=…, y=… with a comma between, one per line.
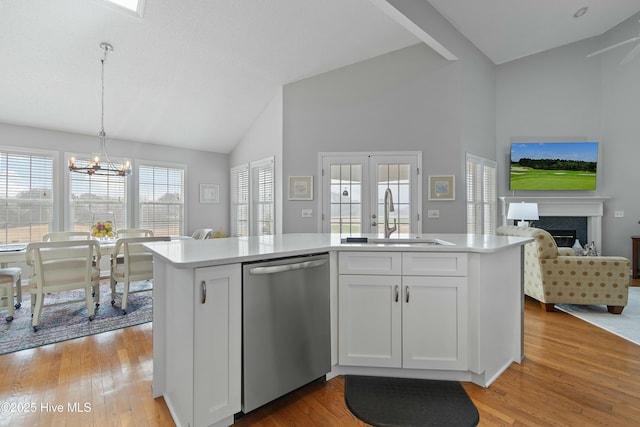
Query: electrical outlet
x=619, y=214
x=433, y=213
x=307, y=213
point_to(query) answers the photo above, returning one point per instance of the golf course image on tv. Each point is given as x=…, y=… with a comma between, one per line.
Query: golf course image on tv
x=553, y=166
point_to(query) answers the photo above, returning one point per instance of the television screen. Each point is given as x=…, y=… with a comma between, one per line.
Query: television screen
x=553, y=166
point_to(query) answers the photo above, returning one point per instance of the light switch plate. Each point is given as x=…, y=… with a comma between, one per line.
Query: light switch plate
x=307, y=213
x=619, y=214
x=433, y=213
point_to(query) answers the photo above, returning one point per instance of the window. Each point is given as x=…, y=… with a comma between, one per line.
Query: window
x=481, y=195
x=95, y=198
x=26, y=186
x=240, y=200
x=262, y=198
x=253, y=198
x=161, y=199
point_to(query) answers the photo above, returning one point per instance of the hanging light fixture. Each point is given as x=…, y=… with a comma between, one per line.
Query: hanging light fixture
x=95, y=167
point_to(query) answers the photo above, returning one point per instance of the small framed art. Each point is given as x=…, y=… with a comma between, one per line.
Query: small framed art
x=300, y=188
x=442, y=187
x=209, y=193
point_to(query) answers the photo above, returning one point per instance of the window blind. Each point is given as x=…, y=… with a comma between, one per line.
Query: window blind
x=262, y=189
x=95, y=198
x=26, y=187
x=481, y=195
x=240, y=200
x=161, y=199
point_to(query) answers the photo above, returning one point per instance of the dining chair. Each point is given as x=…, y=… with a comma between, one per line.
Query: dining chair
x=57, y=236
x=10, y=279
x=134, y=232
x=131, y=261
x=62, y=266
x=202, y=233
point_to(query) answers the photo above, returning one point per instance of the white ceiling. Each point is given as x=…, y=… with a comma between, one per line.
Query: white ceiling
x=196, y=74
x=505, y=30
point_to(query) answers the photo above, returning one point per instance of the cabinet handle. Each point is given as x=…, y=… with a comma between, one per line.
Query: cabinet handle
x=406, y=292
x=397, y=293
x=203, y=292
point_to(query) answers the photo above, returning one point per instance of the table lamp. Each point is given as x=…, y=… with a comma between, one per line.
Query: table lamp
x=523, y=212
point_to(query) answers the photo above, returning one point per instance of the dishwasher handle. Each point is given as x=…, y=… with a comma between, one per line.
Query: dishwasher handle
x=287, y=267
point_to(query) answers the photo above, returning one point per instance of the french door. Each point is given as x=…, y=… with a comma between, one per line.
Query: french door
x=353, y=187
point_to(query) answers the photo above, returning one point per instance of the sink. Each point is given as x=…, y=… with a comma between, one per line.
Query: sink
x=398, y=241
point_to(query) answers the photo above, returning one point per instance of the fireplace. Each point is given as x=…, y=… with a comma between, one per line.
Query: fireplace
x=589, y=210
x=565, y=229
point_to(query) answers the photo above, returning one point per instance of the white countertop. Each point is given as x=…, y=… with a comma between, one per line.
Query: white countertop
x=210, y=252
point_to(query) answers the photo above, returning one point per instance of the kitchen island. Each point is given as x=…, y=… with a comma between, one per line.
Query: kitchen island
x=445, y=306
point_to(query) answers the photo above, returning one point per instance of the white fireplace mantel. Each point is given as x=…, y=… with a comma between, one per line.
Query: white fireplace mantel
x=590, y=207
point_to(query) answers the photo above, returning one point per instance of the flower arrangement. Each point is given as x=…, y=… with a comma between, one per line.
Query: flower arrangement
x=103, y=230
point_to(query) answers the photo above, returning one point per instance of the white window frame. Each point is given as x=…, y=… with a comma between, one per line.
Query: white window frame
x=55, y=205
x=122, y=220
x=480, y=200
x=138, y=199
x=250, y=199
x=236, y=203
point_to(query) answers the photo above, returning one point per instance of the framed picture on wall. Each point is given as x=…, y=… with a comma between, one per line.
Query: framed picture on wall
x=300, y=188
x=442, y=187
x=209, y=193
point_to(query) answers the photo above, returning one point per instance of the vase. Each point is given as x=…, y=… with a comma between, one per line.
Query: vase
x=577, y=247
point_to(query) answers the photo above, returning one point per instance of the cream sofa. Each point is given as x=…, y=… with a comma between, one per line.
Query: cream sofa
x=555, y=276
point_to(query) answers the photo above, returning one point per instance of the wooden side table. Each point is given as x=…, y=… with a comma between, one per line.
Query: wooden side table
x=635, y=272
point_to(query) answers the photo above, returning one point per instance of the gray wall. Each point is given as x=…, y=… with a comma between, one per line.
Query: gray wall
x=263, y=140
x=561, y=93
x=411, y=99
x=201, y=167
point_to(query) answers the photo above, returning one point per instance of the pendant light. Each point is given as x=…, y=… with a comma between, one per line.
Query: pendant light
x=95, y=167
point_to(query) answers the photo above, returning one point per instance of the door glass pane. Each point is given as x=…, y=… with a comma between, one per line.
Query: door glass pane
x=396, y=177
x=346, y=196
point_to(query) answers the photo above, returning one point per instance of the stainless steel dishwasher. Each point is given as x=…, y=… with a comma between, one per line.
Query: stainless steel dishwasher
x=286, y=326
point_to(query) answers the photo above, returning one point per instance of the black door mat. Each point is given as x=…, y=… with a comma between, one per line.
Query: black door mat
x=404, y=402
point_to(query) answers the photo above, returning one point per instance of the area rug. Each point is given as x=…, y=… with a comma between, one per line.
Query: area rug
x=68, y=321
x=402, y=402
x=625, y=325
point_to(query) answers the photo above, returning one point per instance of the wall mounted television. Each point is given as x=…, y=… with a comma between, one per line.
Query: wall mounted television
x=553, y=165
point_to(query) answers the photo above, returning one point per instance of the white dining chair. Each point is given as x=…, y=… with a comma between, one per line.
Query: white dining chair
x=202, y=233
x=58, y=236
x=63, y=266
x=131, y=261
x=10, y=278
x=134, y=232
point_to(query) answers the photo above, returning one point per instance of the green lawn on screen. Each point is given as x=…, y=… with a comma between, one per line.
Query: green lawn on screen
x=523, y=178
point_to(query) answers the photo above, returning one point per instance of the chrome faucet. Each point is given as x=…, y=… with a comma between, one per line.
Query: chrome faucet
x=388, y=207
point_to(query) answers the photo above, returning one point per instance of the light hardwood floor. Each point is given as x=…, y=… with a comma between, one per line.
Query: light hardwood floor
x=574, y=374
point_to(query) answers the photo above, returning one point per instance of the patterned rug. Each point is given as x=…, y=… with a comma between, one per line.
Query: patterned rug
x=625, y=325
x=68, y=321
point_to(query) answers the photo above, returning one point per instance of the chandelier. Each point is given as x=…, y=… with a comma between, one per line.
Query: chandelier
x=95, y=167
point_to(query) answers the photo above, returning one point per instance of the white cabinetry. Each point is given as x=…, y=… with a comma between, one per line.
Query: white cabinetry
x=411, y=314
x=217, y=344
x=200, y=372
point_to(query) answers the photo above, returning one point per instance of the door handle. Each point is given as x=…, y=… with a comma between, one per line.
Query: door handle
x=373, y=224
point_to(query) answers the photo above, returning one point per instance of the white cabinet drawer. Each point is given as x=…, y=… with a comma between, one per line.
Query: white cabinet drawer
x=434, y=264
x=386, y=263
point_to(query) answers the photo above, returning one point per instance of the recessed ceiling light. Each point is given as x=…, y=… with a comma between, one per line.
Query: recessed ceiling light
x=580, y=12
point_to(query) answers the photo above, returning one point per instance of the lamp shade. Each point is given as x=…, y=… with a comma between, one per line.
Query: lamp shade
x=523, y=211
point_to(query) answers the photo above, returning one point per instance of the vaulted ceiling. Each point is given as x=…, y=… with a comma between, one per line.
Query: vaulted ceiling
x=196, y=74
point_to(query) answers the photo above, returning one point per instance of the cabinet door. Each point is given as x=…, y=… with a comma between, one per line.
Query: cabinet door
x=217, y=343
x=434, y=323
x=369, y=309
